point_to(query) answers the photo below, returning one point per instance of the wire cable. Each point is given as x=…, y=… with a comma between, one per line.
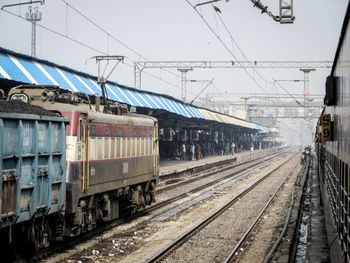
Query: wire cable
x=113, y=37
x=225, y=46
x=254, y=69
x=246, y=58
x=87, y=46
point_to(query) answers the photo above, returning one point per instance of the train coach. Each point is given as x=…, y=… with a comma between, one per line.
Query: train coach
x=333, y=147
x=111, y=158
x=32, y=182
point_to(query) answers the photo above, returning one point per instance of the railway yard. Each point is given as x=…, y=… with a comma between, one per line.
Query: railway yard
x=175, y=146
x=193, y=222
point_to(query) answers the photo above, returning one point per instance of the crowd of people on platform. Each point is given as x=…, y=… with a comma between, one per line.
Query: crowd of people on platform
x=195, y=150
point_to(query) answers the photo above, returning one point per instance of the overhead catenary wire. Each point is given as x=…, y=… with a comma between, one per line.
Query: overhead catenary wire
x=279, y=84
x=240, y=50
x=217, y=11
x=243, y=54
x=254, y=69
x=225, y=46
x=113, y=37
x=89, y=47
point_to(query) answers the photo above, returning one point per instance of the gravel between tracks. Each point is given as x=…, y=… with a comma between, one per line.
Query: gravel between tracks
x=136, y=242
x=215, y=242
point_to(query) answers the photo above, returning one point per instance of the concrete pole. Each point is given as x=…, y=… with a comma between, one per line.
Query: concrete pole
x=183, y=82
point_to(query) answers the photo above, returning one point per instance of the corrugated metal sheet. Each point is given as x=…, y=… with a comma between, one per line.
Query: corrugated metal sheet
x=29, y=70
x=219, y=117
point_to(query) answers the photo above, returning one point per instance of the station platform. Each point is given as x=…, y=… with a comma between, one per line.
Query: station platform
x=168, y=167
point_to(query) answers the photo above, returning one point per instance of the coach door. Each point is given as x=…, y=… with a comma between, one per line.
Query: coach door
x=155, y=149
x=84, y=137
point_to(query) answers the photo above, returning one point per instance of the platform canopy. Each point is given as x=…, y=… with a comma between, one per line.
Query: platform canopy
x=30, y=70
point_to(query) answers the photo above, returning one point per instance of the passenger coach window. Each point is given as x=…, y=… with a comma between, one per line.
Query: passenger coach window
x=119, y=131
x=133, y=131
x=150, y=132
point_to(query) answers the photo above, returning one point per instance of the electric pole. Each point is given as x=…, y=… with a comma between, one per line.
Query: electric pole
x=183, y=82
x=33, y=16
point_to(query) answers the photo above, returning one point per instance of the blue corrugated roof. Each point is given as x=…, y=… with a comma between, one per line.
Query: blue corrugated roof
x=30, y=70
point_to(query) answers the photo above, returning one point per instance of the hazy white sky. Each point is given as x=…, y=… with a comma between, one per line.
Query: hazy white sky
x=172, y=30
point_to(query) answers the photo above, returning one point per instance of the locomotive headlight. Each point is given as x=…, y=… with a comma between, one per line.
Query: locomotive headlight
x=20, y=96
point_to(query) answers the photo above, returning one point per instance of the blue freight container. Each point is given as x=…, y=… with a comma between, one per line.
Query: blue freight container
x=32, y=181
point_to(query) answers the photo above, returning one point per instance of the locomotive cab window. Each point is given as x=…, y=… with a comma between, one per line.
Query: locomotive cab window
x=80, y=130
x=93, y=129
x=106, y=130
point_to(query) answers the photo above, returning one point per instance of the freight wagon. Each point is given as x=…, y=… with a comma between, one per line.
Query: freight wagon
x=32, y=164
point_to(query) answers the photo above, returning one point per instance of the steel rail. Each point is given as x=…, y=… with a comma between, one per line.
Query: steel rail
x=191, y=232
x=246, y=234
x=199, y=188
x=119, y=221
x=223, y=168
x=286, y=223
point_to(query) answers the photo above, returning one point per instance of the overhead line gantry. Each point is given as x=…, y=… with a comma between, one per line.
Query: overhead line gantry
x=190, y=65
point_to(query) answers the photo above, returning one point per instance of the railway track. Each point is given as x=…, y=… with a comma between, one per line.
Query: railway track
x=222, y=168
x=243, y=167
x=180, y=241
x=107, y=226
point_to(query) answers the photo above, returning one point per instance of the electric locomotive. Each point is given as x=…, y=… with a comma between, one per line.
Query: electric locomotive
x=111, y=157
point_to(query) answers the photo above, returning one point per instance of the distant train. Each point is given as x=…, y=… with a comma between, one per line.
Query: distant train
x=90, y=165
x=333, y=145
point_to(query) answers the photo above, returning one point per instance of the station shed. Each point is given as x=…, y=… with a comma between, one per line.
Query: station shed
x=178, y=121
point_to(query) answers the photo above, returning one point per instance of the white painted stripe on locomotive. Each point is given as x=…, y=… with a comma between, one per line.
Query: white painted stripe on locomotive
x=67, y=80
x=99, y=117
x=24, y=71
x=46, y=73
x=100, y=148
x=71, y=148
x=4, y=73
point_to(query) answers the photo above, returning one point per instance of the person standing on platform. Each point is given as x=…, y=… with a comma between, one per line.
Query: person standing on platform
x=199, y=147
x=233, y=145
x=183, y=150
x=192, y=150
